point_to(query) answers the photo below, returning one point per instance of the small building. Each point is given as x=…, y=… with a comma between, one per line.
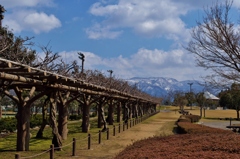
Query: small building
x=211, y=100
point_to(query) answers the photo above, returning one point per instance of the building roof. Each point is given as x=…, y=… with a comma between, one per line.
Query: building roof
x=208, y=95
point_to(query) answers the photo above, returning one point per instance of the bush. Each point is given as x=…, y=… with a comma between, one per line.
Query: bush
x=93, y=114
x=193, y=118
x=190, y=128
x=8, y=124
x=35, y=120
x=189, y=118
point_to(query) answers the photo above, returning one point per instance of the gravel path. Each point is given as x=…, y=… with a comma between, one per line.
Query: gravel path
x=218, y=123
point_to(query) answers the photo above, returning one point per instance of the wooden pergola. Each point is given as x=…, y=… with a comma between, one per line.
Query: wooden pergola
x=30, y=84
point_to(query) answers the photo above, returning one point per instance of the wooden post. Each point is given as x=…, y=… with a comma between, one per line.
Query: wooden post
x=89, y=141
x=51, y=151
x=99, y=136
x=107, y=133
x=0, y=112
x=114, y=130
x=123, y=125
x=74, y=147
x=17, y=156
x=119, y=128
x=119, y=111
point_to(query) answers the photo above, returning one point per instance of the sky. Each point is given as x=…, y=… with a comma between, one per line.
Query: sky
x=133, y=38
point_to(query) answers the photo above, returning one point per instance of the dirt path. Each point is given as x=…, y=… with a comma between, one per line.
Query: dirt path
x=109, y=148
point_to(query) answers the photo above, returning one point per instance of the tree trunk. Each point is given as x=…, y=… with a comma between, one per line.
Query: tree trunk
x=136, y=110
x=110, y=119
x=63, y=115
x=79, y=109
x=99, y=109
x=141, y=109
x=85, y=117
x=204, y=112
x=62, y=121
x=133, y=110
x=201, y=111
x=40, y=131
x=101, y=115
x=0, y=112
x=23, y=127
x=119, y=112
x=130, y=111
x=57, y=139
x=237, y=114
x=44, y=118
x=125, y=113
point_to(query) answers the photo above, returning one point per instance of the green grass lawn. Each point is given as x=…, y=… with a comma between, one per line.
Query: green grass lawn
x=8, y=143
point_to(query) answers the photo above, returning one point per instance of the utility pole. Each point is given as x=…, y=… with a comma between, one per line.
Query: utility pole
x=190, y=91
x=190, y=84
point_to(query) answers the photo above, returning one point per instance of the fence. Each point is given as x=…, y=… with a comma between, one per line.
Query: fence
x=90, y=138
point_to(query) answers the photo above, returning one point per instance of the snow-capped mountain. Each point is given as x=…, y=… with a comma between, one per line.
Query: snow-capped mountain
x=161, y=86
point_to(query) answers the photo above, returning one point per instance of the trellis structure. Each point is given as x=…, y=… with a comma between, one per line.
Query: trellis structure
x=37, y=83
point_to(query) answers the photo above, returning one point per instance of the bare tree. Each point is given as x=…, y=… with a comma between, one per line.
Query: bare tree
x=215, y=43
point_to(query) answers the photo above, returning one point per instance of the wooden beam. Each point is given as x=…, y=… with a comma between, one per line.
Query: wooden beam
x=5, y=64
x=16, y=69
x=18, y=78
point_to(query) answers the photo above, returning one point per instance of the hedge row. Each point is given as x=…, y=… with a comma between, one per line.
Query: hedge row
x=9, y=124
x=189, y=118
x=191, y=128
x=185, y=146
x=186, y=125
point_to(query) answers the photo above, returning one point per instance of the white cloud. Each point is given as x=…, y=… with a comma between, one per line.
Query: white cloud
x=144, y=63
x=97, y=32
x=91, y=60
x=23, y=16
x=148, y=18
x=25, y=3
x=30, y=20
x=41, y=22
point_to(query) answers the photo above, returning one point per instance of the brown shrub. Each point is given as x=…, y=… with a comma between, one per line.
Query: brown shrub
x=199, y=142
x=186, y=146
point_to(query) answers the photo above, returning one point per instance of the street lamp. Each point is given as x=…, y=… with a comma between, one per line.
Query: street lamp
x=110, y=71
x=82, y=57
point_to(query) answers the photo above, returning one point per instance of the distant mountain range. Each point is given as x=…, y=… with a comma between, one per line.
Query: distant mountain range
x=161, y=86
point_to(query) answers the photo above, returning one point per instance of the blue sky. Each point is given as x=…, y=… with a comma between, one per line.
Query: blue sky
x=134, y=38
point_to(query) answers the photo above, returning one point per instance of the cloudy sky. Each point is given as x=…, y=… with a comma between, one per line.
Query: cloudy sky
x=134, y=38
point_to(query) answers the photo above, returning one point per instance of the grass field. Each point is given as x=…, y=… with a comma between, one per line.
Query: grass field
x=159, y=124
